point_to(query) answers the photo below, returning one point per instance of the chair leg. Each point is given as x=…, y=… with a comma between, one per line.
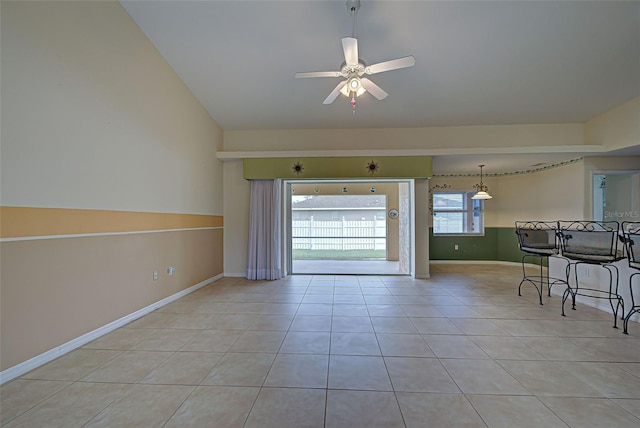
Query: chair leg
x=625, y=323
x=525, y=278
x=613, y=293
x=634, y=309
x=574, y=293
x=565, y=295
x=567, y=290
x=540, y=290
x=548, y=282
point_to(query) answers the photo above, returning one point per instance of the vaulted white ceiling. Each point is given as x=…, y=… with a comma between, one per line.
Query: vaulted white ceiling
x=477, y=62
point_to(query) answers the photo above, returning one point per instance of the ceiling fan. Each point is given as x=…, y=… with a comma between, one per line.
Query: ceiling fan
x=354, y=69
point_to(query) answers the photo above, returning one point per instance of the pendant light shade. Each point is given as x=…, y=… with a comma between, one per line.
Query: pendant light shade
x=481, y=195
x=482, y=191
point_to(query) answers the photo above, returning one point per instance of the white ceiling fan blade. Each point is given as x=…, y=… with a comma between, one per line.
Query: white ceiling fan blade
x=394, y=64
x=334, y=94
x=374, y=89
x=350, y=48
x=318, y=74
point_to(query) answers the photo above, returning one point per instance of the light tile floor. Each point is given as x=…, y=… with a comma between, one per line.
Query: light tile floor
x=458, y=350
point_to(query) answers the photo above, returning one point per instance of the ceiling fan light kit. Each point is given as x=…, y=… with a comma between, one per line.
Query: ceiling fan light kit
x=353, y=69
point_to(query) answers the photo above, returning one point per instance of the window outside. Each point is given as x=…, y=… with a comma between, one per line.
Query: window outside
x=455, y=213
x=338, y=227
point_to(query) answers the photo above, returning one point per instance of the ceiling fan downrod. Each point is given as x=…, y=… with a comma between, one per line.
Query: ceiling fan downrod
x=353, y=6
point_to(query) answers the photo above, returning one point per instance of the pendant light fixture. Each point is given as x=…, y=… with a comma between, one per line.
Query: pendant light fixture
x=482, y=191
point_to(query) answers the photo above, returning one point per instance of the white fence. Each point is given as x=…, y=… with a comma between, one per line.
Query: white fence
x=339, y=234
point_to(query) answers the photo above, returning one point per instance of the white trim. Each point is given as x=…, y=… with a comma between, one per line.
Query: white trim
x=26, y=366
x=85, y=235
x=572, y=149
x=234, y=275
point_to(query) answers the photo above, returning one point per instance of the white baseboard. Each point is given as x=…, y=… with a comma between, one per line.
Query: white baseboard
x=234, y=274
x=50, y=355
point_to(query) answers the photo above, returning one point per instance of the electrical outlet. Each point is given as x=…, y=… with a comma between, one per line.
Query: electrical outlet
x=171, y=270
x=455, y=247
x=155, y=275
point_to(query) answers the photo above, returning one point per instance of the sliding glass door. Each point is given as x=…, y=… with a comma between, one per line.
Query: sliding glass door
x=348, y=227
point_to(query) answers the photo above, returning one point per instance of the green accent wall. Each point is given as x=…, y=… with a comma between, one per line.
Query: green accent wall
x=338, y=167
x=508, y=249
x=497, y=244
x=469, y=247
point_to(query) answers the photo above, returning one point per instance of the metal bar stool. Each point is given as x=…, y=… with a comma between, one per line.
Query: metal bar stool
x=538, y=240
x=631, y=230
x=594, y=243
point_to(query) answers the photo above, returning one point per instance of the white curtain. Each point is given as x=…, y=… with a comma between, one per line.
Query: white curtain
x=264, y=258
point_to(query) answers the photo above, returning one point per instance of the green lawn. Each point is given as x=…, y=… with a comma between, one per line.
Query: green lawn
x=338, y=254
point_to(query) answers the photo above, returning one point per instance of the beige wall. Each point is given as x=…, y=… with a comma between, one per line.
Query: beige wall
x=237, y=193
x=421, y=228
x=54, y=290
x=95, y=121
x=553, y=194
x=94, y=117
x=616, y=129
x=477, y=137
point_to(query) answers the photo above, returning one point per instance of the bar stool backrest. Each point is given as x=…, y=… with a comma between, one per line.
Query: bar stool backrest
x=590, y=241
x=538, y=237
x=631, y=230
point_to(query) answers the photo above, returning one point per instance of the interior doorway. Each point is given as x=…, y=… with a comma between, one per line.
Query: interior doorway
x=348, y=227
x=615, y=196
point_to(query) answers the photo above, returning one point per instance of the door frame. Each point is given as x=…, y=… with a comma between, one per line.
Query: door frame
x=420, y=240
